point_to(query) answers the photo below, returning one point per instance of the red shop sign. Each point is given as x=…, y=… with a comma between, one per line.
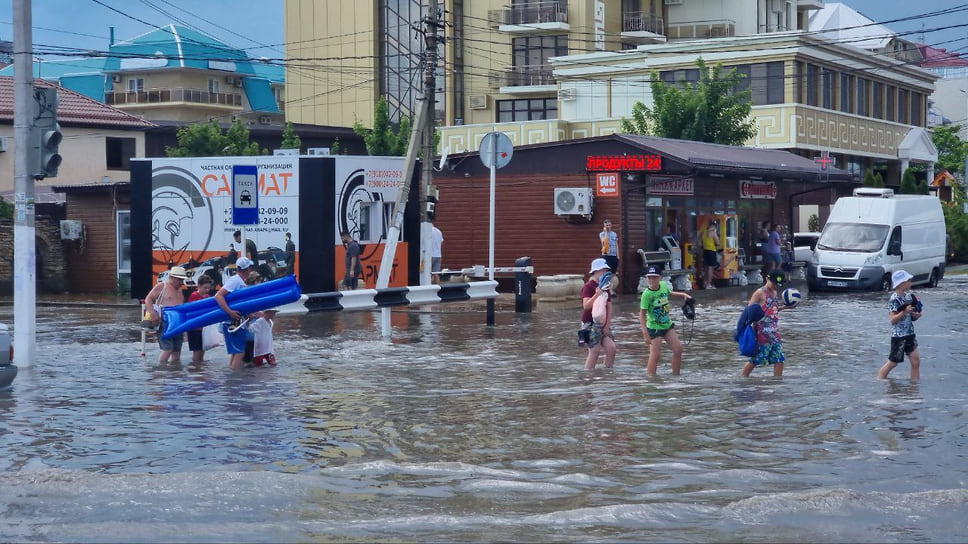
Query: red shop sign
x=623, y=163
x=757, y=189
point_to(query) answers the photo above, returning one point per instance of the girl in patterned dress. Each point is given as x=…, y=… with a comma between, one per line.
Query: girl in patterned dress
x=770, y=350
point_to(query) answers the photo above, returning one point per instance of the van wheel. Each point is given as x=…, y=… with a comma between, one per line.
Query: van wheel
x=933, y=280
x=886, y=283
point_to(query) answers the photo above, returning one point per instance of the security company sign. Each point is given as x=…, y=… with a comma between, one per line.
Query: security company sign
x=757, y=189
x=606, y=184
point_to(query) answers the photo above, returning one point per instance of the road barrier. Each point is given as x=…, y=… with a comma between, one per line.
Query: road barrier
x=368, y=299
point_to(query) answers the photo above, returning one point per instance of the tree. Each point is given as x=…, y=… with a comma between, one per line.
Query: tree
x=951, y=148
x=909, y=184
x=208, y=140
x=956, y=221
x=813, y=223
x=709, y=110
x=869, y=179
x=878, y=180
x=385, y=139
x=6, y=208
x=290, y=140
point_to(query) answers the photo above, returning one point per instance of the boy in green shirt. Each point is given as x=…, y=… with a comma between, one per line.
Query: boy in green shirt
x=657, y=323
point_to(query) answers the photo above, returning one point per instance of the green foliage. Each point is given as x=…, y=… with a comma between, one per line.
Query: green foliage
x=334, y=149
x=6, y=208
x=909, y=184
x=869, y=179
x=208, y=140
x=813, y=223
x=290, y=140
x=878, y=180
x=951, y=148
x=956, y=222
x=385, y=139
x=706, y=111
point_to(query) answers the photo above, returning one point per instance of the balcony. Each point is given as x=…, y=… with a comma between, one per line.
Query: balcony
x=641, y=27
x=522, y=76
x=691, y=30
x=809, y=4
x=164, y=96
x=539, y=16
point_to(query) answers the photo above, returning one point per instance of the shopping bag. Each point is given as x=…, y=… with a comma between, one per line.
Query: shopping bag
x=211, y=336
x=747, y=342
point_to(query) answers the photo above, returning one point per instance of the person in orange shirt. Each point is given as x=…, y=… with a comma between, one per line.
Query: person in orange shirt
x=609, y=240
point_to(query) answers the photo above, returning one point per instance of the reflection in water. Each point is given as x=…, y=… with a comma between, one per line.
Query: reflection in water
x=457, y=431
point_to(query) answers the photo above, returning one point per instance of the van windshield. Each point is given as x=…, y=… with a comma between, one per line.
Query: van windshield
x=859, y=237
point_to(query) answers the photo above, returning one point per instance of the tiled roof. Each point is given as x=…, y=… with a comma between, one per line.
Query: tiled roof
x=940, y=58
x=73, y=109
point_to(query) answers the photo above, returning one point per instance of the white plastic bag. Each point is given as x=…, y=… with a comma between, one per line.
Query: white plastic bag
x=600, y=309
x=211, y=336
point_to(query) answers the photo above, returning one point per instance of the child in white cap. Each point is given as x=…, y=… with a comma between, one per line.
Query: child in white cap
x=905, y=309
x=597, y=335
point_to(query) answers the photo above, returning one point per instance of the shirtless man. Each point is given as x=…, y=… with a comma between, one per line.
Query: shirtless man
x=162, y=295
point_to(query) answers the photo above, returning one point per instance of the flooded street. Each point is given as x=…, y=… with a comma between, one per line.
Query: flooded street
x=458, y=432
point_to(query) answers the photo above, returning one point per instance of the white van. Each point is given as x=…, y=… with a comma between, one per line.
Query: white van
x=875, y=232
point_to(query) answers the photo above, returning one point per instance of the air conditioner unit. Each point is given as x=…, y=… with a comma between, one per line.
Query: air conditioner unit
x=673, y=2
x=576, y=201
x=116, y=78
x=566, y=94
x=71, y=229
x=285, y=152
x=237, y=83
x=265, y=120
x=319, y=151
x=477, y=101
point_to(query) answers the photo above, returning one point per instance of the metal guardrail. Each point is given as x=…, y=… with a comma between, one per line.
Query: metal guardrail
x=175, y=94
x=369, y=299
x=640, y=21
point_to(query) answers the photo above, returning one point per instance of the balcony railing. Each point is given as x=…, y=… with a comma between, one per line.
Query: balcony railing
x=161, y=96
x=552, y=11
x=701, y=29
x=523, y=76
x=640, y=21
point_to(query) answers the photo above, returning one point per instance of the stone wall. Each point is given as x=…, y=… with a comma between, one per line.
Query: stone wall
x=51, y=274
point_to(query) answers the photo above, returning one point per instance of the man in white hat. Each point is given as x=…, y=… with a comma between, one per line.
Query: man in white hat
x=235, y=340
x=596, y=334
x=163, y=294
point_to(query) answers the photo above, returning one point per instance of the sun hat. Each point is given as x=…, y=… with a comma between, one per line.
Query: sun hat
x=599, y=264
x=777, y=277
x=899, y=277
x=242, y=263
x=653, y=271
x=177, y=272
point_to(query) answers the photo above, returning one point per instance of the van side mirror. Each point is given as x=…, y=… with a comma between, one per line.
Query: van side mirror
x=894, y=248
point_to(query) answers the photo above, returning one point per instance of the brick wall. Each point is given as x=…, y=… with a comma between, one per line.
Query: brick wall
x=51, y=274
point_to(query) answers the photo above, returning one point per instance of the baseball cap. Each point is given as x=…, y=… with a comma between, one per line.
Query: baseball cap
x=242, y=263
x=899, y=277
x=599, y=264
x=777, y=277
x=653, y=271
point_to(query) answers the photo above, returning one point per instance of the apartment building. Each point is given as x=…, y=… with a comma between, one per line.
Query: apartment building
x=174, y=73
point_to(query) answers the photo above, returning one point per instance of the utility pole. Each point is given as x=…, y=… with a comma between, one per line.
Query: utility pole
x=24, y=280
x=427, y=191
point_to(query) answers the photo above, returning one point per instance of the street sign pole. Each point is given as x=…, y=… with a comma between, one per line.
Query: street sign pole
x=245, y=199
x=495, y=152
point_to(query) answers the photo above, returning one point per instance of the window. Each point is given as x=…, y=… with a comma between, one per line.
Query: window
x=846, y=92
x=774, y=82
x=213, y=85
x=745, y=74
x=812, y=71
x=528, y=109
x=136, y=84
x=124, y=250
x=916, y=109
x=827, y=89
x=536, y=50
x=902, y=106
x=118, y=152
x=891, y=96
x=878, y=100
x=862, y=96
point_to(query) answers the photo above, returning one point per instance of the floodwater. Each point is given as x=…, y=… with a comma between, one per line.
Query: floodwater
x=458, y=432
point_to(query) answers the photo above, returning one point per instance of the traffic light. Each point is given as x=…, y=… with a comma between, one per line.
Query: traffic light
x=45, y=134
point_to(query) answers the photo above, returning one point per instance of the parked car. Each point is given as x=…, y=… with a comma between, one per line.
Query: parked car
x=209, y=267
x=803, y=245
x=272, y=263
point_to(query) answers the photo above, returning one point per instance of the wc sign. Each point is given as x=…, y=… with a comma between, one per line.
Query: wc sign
x=606, y=184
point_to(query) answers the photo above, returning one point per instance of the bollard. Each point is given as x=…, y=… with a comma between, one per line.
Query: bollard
x=522, y=286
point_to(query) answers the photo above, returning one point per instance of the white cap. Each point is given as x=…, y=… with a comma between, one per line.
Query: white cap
x=599, y=264
x=899, y=277
x=242, y=263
